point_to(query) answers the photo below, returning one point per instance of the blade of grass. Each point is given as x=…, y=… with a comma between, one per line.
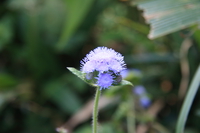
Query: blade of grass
x=76, y=12
x=188, y=102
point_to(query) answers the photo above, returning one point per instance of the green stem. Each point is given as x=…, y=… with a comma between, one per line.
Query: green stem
x=188, y=102
x=95, y=110
x=131, y=115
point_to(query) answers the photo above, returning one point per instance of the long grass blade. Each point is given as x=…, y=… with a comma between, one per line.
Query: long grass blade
x=188, y=102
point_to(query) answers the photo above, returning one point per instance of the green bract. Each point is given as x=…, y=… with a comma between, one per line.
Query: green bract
x=82, y=76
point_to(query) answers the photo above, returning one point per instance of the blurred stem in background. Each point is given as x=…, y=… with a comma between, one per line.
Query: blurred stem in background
x=184, y=64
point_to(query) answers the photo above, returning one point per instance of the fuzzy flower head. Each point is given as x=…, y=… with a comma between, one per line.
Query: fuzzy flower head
x=105, y=66
x=104, y=80
x=103, y=59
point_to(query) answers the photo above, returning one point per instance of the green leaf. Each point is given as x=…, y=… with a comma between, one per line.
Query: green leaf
x=197, y=39
x=7, y=81
x=125, y=82
x=77, y=73
x=6, y=31
x=80, y=75
x=76, y=12
x=188, y=102
x=62, y=95
x=169, y=16
x=84, y=129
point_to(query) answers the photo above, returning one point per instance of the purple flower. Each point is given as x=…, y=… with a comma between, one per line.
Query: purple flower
x=125, y=73
x=135, y=72
x=139, y=90
x=145, y=101
x=103, y=59
x=103, y=66
x=104, y=80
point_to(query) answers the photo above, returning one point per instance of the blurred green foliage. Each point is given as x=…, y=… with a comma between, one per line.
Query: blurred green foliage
x=39, y=39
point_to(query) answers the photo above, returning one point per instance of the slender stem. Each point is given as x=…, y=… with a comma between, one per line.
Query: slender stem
x=131, y=115
x=188, y=102
x=95, y=110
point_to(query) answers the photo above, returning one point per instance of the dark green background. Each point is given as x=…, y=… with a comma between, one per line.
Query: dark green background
x=40, y=38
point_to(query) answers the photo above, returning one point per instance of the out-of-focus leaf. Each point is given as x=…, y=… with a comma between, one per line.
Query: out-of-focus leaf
x=169, y=16
x=115, y=15
x=109, y=127
x=67, y=100
x=197, y=37
x=151, y=58
x=124, y=33
x=50, y=14
x=121, y=111
x=84, y=129
x=6, y=30
x=7, y=80
x=76, y=12
x=61, y=95
x=6, y=97
x=131, y=24
x=33, y=122
x=52, y=17
x=190, y=130
x=79, y=85
x=40, y=58
x=39, y=24
x=193, y=88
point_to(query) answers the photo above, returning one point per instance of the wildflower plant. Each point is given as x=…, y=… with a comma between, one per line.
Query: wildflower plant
x=102, y=69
